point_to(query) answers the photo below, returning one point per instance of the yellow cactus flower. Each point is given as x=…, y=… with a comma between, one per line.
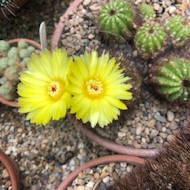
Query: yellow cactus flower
x=43, y=89
x=97, y=88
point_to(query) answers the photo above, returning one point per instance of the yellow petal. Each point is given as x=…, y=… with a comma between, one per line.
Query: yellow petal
x=117, y=103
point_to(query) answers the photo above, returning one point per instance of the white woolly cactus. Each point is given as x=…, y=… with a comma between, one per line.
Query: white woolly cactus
x=12, y=61
x=4, y=46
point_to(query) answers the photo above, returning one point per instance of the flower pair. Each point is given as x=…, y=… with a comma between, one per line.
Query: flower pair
x=91, y=86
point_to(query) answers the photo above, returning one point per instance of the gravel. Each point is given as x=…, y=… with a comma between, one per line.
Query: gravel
x=47, y=154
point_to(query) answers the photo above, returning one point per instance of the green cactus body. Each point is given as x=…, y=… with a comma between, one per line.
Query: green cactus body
x=23, y=53
x=4, y=46
x=2, y=80
x=173, y=79
x=7, y=91
x=12, y=53
x=11, y=73
x=179, y=30
x=31, y=49
x=12, y=61
x=146, y=11
x=22, y=44
x=150, y=39
x=25, y=60
x=3, y=62
x=116, y=20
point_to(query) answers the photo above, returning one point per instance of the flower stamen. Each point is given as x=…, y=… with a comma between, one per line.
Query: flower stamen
x=94, y=88
x=55, y=90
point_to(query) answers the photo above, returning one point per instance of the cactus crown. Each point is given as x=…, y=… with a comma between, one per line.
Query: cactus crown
x=146, y=11
x=179, y=29
x=116, y=19
x=173, y=79
x=150, y=38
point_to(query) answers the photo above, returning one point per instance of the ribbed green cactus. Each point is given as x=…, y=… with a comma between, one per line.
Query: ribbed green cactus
x=116, y=20
x=146, y=11
x=172, y=77
x=178, y=28
x=150, y=39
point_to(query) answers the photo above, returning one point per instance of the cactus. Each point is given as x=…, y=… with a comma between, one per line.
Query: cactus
x=25, y=60
x=22, y=44
x=2, y=80
x=150, y=39
x=23, y=53
x=12, y=61
x=4, y=46
x=11, y=73
x=116, y=20
x=12, y=53
x=178, y=28
x=3, y=64
x=7, y=91
x=146, y=11
x=172, y=78
x=30, y=49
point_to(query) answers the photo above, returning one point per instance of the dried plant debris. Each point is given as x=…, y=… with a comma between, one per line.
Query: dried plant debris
x=170, y=170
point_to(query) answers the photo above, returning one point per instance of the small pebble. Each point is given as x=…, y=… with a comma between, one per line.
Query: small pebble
x=170, y=116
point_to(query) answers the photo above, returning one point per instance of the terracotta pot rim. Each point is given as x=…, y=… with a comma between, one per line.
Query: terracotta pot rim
x=98, y=161
x=35, y=44
x=12, y=169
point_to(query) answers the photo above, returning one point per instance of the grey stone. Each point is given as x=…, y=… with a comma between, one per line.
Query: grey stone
x=160, y=118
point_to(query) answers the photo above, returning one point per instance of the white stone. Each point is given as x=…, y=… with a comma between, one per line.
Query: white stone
x=170, y=116
x=86, y=2
x=172, y=9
